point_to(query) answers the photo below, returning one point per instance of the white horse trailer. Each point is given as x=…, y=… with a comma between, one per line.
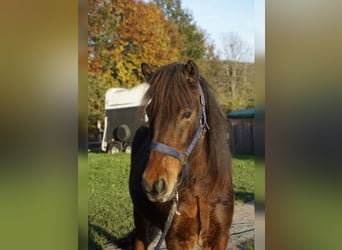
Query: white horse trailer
x=122, y=117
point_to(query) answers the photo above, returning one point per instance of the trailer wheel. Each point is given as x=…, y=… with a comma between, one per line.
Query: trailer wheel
x=128, y=149
x=114, y=148
x=123, y=133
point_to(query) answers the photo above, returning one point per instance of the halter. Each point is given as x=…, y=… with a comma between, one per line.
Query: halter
x=183, y=156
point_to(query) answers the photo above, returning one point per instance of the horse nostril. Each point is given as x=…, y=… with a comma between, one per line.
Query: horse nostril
x=159, y=186
x=147, y=188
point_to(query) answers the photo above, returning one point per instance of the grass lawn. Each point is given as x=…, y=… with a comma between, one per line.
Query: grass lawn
x=110, y=207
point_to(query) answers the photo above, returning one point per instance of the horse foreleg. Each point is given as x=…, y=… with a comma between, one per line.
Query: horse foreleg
x=215, y=237
x=183, y=235
x=215, y=224
x=218, y=242
x=141, y=239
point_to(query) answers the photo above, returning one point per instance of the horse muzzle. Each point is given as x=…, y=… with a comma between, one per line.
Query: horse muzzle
x=158, y=191
x=159, y=179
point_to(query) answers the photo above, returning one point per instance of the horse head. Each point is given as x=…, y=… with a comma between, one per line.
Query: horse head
x=176, y=117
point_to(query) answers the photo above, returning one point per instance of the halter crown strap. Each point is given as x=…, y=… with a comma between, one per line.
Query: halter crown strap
x=204, y=116
x=182, y=157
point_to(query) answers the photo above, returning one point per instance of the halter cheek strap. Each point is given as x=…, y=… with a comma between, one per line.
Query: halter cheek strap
x=182, y=157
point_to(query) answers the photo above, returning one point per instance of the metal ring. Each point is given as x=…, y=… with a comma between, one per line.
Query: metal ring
x=183, y=158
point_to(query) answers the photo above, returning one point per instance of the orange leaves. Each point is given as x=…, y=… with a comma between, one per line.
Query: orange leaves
x=126, y=33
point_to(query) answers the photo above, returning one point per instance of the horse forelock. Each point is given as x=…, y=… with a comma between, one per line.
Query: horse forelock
x=168, y=93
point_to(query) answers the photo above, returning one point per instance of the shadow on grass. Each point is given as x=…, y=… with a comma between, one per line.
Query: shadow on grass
x=125, y=242
x=97, y=151
x=244, y=196
x=243, y=156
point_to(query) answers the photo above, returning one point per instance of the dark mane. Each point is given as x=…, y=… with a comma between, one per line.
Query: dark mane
x=217, y=136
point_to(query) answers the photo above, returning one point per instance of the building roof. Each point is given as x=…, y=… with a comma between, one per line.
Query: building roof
x=117, y=98
x=242, y=113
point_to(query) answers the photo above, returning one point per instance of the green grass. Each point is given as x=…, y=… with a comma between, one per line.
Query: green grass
x=243, y=178
x=109, y=204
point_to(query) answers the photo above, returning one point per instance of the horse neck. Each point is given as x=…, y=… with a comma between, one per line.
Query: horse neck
x=198, y=160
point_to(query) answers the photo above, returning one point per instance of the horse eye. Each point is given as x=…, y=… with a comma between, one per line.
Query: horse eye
x=186, y=115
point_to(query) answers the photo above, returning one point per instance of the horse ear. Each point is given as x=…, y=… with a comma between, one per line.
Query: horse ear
x=191, y=73
x=147, y=71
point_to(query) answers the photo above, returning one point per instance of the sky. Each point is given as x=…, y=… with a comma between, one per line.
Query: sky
x=219, y=17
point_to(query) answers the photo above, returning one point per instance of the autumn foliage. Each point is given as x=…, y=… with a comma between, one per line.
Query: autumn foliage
x=124, y=33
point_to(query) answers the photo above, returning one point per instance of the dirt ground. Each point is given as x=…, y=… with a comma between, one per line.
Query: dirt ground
x=242, y=231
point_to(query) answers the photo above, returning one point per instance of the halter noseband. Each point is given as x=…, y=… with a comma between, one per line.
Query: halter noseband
x=182, y=157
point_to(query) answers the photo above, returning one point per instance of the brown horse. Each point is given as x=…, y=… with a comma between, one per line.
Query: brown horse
x=182, y=152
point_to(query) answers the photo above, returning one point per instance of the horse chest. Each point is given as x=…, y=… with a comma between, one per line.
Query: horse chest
x=188, y=208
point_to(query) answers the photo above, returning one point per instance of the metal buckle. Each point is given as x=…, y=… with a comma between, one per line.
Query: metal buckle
x=183, y=158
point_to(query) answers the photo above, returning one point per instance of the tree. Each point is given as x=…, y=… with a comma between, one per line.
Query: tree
x=239, y=72
x=193, y=40
x=124, y=33
x=96, y=102
x=121, y=35
x=102, y=26
x=144, y=35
